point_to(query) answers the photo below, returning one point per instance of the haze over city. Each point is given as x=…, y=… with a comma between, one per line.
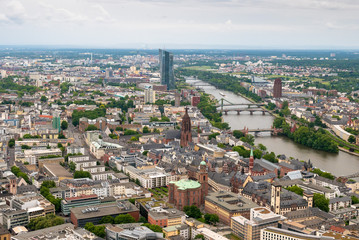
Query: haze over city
x=281, y=24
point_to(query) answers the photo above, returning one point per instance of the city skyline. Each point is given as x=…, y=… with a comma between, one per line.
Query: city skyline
x=263, y=24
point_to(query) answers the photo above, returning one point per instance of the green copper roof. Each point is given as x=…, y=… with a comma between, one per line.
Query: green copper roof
x=251, y=152
x=203, y=163
x=184, y=184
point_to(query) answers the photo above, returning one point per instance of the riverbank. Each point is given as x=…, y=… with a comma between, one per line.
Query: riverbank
x=336, y=163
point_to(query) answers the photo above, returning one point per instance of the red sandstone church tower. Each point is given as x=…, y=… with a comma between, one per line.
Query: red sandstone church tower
x=277, y=88
x=186, y=133
x=251, y=162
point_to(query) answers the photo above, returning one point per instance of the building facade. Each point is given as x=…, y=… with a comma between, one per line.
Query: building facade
x=277, y=88
x=166, y=69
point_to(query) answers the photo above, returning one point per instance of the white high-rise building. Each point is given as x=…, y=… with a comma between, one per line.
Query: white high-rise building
x=150, y=95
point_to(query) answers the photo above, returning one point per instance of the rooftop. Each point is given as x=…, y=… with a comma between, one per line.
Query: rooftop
x=230, y=201
x=184, y=184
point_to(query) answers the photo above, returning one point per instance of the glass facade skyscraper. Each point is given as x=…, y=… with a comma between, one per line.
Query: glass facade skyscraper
x=166, y=69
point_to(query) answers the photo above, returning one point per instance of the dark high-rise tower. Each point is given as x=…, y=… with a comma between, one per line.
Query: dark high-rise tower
x=186, y=134
x=166, y=69
x=277, y=88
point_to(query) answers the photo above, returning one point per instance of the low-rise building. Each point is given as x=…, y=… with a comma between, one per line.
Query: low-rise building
x=71, y=202
x=227, y=205
x=13, y=218
x=260, y=218
x=82, y=215
x=150, y=178
x=59, y=232
x=273, y=233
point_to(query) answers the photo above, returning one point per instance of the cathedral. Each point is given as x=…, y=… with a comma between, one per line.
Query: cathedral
x=186, y=134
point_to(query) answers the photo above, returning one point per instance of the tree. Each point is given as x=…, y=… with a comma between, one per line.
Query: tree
x=257, y=153
x=270, y=157
x=138, y=182
x=238, y=134
x=153, y=227
x=211, y=218
x=124, y=218
x=145, y=153
x=199, y=236
x=82, y=174
x=192, y=211
x=43, y=98
x=91, y=127
x=72, y=166
x=142, y=219
x=11, y=143
x=64, y=125
x=262, y=147
x=351, y=139
x=321, y=202
x=99, y=231
x=355, y=200
x=107, y=219
x=145, y=129
x=296, y=190
x=45, y=222
x=248, y=139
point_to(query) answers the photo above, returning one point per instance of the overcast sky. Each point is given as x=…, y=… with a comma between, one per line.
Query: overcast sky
x=181, y=23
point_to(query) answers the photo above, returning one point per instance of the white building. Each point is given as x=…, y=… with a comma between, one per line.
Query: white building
x=150, y=178
x=150, y=95
x=272, y=233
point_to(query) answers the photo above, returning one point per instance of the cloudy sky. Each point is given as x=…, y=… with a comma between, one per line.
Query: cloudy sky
x=181, y=23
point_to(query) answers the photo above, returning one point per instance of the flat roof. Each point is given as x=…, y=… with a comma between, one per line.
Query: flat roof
x=230, y=201
x=105, y=209
x=57, y=170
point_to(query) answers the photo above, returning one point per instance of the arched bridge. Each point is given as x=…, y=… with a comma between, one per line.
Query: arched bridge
x=251, y=111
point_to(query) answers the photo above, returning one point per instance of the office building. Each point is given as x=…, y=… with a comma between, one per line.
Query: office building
x=250, y=229
x=277, y=88
x=273, y=233
x=82, y=215
x=150, y=95
x=151, y=177
x=109, y=72
x=35, y=205
x=71, y=202
x=133, y=231
x=227, y=205
x=166, y=69
x=65, y=231
x=14, y=218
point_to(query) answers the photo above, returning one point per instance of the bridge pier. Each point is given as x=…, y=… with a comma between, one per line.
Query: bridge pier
x=238, y=112
x=251, y=112
x=225, y=112
x=263, y=112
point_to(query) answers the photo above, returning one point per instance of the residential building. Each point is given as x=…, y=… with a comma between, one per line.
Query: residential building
x=150, y=96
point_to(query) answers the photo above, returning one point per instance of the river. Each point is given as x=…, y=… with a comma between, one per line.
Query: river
x=339, y=164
